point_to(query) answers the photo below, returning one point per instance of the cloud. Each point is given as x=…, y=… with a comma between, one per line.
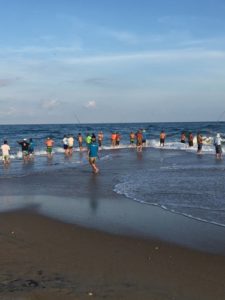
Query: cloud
x=50, y=104
x=90, y=104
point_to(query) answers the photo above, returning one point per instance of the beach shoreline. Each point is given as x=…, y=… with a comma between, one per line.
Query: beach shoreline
x=42, y=258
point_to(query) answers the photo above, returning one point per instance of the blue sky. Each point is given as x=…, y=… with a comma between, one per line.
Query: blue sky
x=111, y=61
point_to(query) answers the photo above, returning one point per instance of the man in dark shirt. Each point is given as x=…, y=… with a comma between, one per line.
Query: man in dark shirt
x=25, y=148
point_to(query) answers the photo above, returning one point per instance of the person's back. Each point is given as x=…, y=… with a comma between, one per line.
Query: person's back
x=70, y=141
x=190, y=139
x=5, y=152
x=93, y=149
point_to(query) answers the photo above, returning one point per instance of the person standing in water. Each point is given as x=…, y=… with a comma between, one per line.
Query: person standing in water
x=139, y=139
x=183, y=138
x=49, y=146
x=93, y=154
x=132, y=138
x=200, y=143
x=65, y=144
x=144, y=138
x=218, y=146
x=80, y=141
x=5, y=153
x=190, y=139
x=70, y=144
x=31, y=148
x=113, y=139
x=118, y=138
x=162, y=138
x=100, y=139
x=25, y=148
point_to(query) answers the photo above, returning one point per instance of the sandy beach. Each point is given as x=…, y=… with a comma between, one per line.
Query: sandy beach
x=46, y=259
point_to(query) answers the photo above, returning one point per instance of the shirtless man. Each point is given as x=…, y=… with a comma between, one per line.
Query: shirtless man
x=5, y=153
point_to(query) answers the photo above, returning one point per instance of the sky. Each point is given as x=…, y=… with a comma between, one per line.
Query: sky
x=94, y=61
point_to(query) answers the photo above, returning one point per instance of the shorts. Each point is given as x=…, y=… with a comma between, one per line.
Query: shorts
x=25, y=153
x=70, y=147
x=144, y=141
x=5, y=157
x=182, y=141
x=162, y=141
x=117, y=143
x=190, y=143
x=131, y=141
x=199, y=147
x=139, y=143
x=49, y=150
x=99, y=143
x=218, y=149
x=80, y=144
x=92, y=160
x=65, y=147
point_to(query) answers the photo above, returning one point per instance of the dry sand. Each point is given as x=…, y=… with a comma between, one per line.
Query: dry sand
x=41, y=258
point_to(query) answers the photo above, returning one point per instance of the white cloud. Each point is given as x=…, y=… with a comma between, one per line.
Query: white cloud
x=90, y=104
x=50, y=104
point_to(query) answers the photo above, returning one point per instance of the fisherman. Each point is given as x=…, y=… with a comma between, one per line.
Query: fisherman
x=113, y=139
x=65, y=144
x=49, y=146
x=5, y=153
x=190, y=139
x=144, y=138
x=218, y=146
x=183, y=137
x=31, y=148
x=199, y=142
x=100, y=138
x=118, y=138
x=132, y=138
x=139, y=139
x=70, y=141
x=80, y=141
x=162, y=137
x=93, y=154
x=25, y=148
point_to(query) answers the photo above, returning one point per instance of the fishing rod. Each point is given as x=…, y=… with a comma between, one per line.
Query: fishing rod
x=76, y=117
x=220, y=116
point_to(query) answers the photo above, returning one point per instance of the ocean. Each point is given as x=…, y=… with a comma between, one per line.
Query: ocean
x=173, y=178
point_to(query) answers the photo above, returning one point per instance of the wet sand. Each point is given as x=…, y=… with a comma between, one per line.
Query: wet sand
x=41, y=258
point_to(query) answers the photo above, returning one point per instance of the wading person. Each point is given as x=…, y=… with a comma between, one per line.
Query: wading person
x=93, y=154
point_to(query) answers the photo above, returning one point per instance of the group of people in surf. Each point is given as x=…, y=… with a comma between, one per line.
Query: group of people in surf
x=190, y=139
x=94, y=143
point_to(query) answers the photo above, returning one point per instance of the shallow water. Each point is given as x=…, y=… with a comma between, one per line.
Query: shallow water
x=173, y=178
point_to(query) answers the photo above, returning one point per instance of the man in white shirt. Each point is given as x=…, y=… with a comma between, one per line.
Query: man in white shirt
x=5, y=152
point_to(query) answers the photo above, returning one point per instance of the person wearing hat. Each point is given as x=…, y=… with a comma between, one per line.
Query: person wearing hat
x=93, y=154
x=218, y=146
x=25, y=148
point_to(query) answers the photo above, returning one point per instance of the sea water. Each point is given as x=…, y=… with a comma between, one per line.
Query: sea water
x=173, y=177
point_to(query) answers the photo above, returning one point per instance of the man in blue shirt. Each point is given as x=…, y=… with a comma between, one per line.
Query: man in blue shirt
x=93, y=154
